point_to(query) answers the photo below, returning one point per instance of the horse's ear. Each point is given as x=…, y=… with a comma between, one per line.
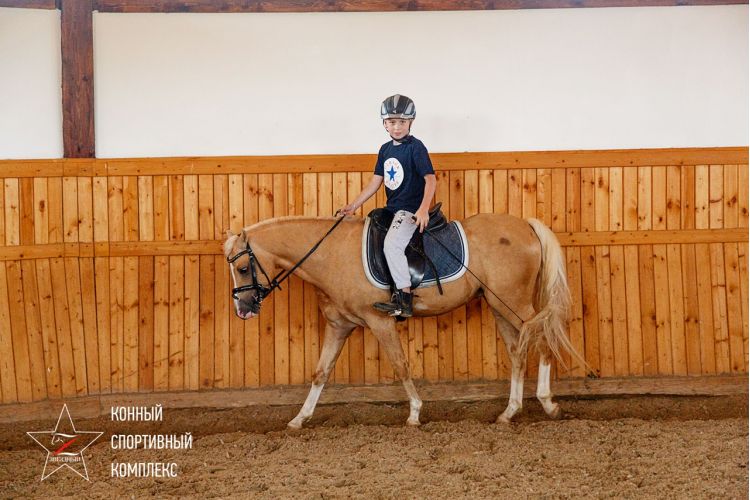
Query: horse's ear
x=243, y=234
x=229, y=234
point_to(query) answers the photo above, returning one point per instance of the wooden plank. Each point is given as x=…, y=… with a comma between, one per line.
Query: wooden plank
x=661, y=275
x=162, y=359
x=632, y=273
x=78, y=79
x=604, y=308
x=222, y=289
x=281, y=297
x=743, y=257
x=117, y=318
x=734, y=309
x=266, y=325
x=130, y=204
x=192, y=285
x=7, y=365
x=443, y=333
x=12, y=212
x=603, y=273
x=75, y=313
x=572, y=222
x=47, y=316
x=29, y=4
x=176, y=323
x=590, y=303
x=487, y=320
x=65, y=347
x=718, y=292
x=18, y=330
x=191, y=358
x=312, y=348
x=101, y=279
x=617, y=275
x=674, y=266
x=460, y=341
x=703, y=261
x=146, y=323
x=354, y=184
x=26, y=202
x=474, y=338
x=131, y=299
x=340, y=198
x=116, y=285
x=446, y=161
x=236, y=324
x=2, y=213
x=206, y=273
x=34, y=338
x=690, y=274
x=41, y=212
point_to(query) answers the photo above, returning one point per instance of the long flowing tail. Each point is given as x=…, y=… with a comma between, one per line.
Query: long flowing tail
x=547, y=330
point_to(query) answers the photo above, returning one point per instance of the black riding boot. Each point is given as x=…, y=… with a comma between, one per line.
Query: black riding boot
x=400, y=305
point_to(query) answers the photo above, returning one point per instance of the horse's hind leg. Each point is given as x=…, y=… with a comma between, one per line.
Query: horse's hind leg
x=518, y=368
x=543, y=391
x=387, y=335
x=336, y=333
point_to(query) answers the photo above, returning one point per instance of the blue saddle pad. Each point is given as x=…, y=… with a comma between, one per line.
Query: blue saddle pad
x=449, y=267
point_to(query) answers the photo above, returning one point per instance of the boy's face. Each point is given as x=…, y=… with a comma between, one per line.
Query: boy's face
x=398, y=128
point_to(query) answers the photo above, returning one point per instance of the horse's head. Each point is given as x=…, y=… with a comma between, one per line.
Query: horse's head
x=251, y=283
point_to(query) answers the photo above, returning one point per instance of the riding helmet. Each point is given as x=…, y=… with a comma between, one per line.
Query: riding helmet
x=398, y=106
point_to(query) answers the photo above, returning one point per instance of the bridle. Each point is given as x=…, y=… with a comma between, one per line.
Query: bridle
x=262, y=291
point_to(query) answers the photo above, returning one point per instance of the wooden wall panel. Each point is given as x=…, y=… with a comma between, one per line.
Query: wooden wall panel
x=83, y=314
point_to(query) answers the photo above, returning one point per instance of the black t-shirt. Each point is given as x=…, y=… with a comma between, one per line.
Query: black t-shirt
x=403, y=167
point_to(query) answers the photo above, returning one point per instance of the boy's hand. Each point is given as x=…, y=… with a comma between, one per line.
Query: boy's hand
x=421, y=218
x=347, y=210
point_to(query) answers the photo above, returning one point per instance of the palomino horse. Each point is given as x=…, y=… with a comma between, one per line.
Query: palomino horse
x=518, y=260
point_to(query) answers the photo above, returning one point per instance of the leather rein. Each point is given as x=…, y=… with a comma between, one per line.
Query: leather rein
x=262, y=291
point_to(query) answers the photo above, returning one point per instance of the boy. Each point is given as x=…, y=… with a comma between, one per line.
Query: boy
x=405, y=167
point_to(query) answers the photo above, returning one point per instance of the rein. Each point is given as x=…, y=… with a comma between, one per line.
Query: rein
x=262, y=291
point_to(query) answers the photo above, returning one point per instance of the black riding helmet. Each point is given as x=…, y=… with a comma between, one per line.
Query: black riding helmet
x=398, y=106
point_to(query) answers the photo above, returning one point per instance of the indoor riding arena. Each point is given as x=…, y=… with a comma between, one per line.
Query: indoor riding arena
x=134, y=134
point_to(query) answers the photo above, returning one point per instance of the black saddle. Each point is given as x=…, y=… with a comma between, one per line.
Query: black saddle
x=380, y=222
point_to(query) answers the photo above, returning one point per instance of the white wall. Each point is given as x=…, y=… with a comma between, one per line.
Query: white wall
x=30, y=84
x=245, y=84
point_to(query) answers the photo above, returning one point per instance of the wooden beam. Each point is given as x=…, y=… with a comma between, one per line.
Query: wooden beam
x=78, y=79
x=94, y=406
x=29, y=4
x=214, y=247
x=376, y=5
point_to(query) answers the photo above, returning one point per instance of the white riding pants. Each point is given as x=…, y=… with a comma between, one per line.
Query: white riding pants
x=398, y=237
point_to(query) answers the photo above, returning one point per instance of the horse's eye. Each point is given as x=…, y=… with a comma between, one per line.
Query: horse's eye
x=242, y=270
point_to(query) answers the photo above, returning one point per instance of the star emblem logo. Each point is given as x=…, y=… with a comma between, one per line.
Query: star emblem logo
x=392, y=173
x=64, y=446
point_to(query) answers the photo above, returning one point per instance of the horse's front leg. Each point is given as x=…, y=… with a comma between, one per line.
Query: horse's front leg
x=335, y=336
x=386, y=333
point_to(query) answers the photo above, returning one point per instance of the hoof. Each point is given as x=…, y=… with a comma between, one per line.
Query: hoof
x=502, y=419
x=556, y=413
x=413, y=423
x=294, y=426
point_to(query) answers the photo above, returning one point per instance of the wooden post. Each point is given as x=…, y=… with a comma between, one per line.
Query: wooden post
x=77, y=78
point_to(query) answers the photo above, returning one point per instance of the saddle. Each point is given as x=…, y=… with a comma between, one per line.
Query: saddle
x=380, y=222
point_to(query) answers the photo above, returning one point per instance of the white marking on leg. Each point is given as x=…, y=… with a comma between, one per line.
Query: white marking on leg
x=543, y=391
x=415, y=403
x=308, y=408
x=515, y=402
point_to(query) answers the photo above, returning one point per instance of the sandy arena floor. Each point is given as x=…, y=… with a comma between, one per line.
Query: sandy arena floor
x=630, y=447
